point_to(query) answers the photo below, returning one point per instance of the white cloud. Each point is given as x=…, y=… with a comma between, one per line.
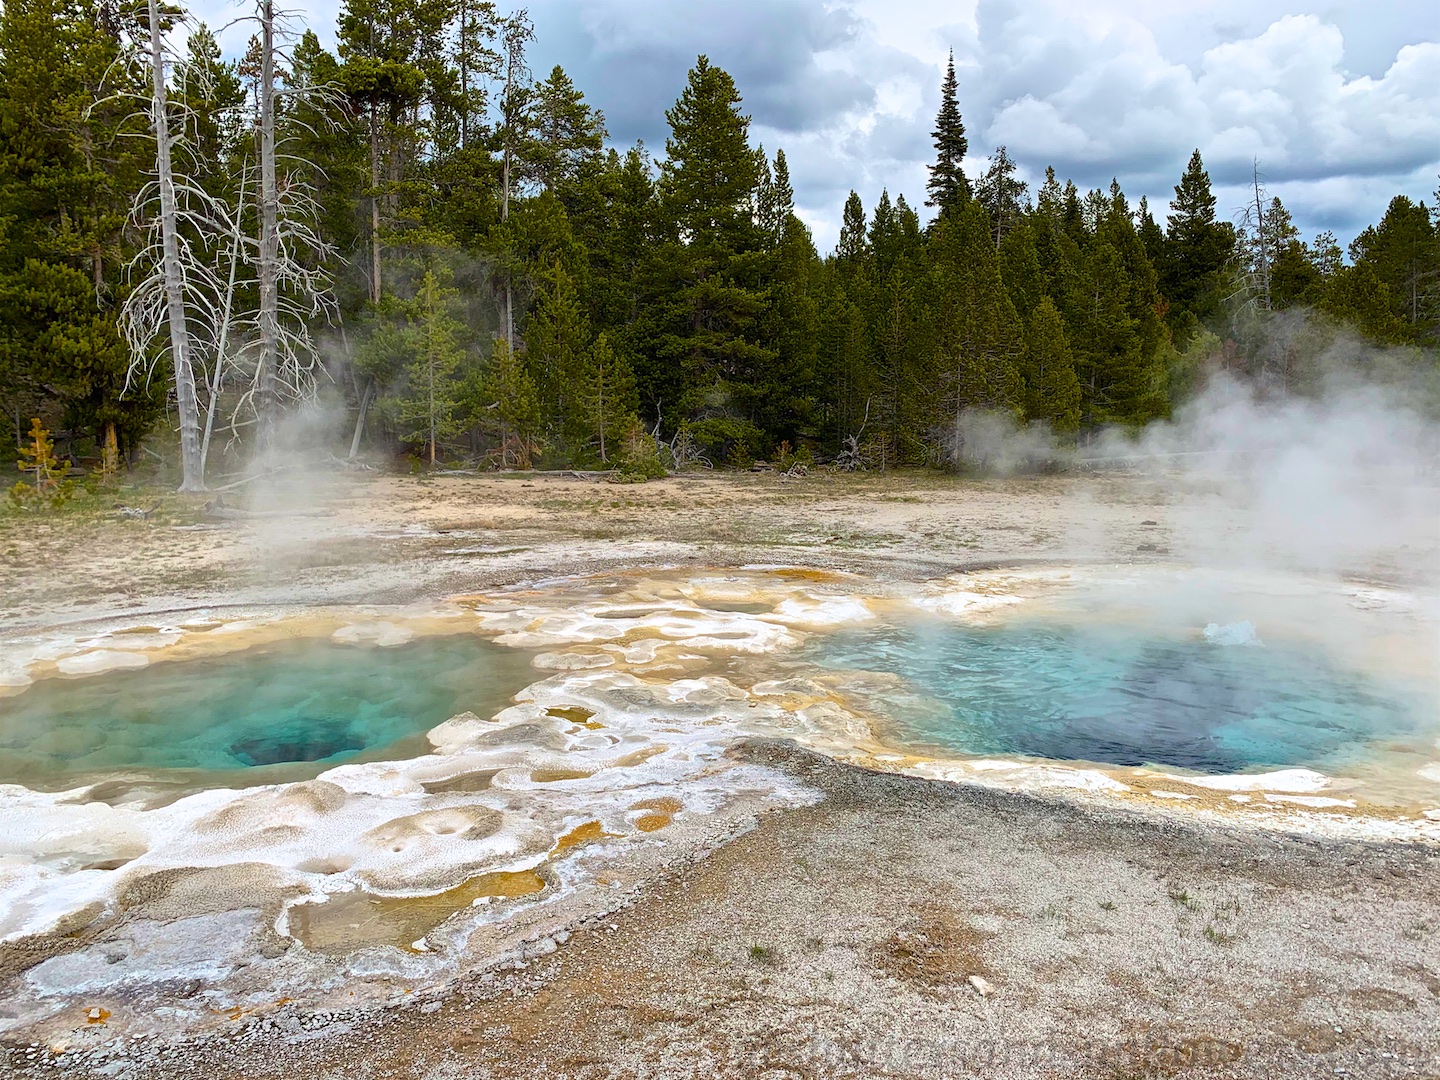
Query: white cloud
x=1342, y=111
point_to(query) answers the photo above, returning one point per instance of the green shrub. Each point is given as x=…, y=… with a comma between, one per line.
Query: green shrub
x=639, y=459
x=723, y=438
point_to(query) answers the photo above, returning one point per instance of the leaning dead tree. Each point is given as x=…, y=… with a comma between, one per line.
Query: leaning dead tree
x=175, y=292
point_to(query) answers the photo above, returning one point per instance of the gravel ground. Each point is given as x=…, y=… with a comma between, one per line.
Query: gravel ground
x=907, y=928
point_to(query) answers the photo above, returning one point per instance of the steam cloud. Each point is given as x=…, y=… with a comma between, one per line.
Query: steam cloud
x=1339, y=476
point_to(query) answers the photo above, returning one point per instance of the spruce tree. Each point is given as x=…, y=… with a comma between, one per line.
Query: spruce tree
x=606, y=396
x=428, y=409
x=1052, y=390
x=853, y=247
x=948, y=187
x=1198, y=248
x=980, y=338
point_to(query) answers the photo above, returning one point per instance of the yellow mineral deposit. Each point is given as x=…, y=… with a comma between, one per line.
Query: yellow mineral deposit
x=351, y=920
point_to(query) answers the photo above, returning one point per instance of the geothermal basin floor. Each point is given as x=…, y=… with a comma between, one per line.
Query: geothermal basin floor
x=913, y=928
x=839, y=939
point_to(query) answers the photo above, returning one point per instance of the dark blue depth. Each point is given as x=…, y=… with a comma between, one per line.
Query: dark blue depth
x=1098, y=693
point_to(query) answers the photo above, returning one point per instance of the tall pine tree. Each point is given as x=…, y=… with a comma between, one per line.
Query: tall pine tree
x=948, y=187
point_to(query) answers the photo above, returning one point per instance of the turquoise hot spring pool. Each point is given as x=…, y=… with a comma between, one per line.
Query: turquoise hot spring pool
x=294, y=708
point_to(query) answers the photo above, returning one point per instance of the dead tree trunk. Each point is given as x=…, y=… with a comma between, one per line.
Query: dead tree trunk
x=365, y=398
x=1262, y=241
x=518, y=32
x=268, y=255
x=374, y=202
x=191, y=471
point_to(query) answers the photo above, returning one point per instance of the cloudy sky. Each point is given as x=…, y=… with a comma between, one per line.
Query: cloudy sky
x=1338, y=101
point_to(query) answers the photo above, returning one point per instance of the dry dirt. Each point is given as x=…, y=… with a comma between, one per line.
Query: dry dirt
x=838, y=940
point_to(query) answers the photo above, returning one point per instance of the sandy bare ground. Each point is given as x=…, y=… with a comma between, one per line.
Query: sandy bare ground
x=838, y=940
x=341, y=538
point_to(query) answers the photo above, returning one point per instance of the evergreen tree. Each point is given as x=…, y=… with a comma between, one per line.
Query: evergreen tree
x=713, y=296
x=556, y=344
x=853, y=247
x=1108, y=296
x=948, y=187
x=607, y=396
x=70, y=163
x=380, y=45
x=1152, y=236
x=1356, y=295
x=429, y=407
x=1403, y=251
x=775, y=199
x=1020, y=267
x=1002, y=194
x=1052, y=390
x=1294, y=276
x=1197, y=250
x=567, y=134
x=1050, y=200
x=710, y=175
x=507, y=408
x=788, y=394
x=980, y=338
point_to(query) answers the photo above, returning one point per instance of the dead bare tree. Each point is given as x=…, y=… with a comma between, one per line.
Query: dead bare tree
x=287, y=253
x=189, y=274
x=517, y=32
x=268, y=255
x=176, y=289
x=222, y=339
x=1254, y=224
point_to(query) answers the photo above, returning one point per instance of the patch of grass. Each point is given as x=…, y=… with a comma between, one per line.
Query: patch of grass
x=764, y=954
x=1219, y=935
x=1107, y=905
x=1185, y=900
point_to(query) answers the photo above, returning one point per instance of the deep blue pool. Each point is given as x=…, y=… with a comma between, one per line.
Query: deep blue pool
x=1107, y=694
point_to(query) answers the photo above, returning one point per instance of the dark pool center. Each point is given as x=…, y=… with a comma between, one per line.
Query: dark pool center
x=1218, y=703
x=299, y=706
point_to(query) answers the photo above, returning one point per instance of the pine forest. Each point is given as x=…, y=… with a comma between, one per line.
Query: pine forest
x=418, y=248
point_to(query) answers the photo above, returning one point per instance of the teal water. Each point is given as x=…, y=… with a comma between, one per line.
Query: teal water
x=1115, y=696
x=293, y=708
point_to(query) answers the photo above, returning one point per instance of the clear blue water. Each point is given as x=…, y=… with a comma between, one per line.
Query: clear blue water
x=280, y=711
x=1104, y=694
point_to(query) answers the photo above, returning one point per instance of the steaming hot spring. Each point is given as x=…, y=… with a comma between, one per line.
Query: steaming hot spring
x=385, y=784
